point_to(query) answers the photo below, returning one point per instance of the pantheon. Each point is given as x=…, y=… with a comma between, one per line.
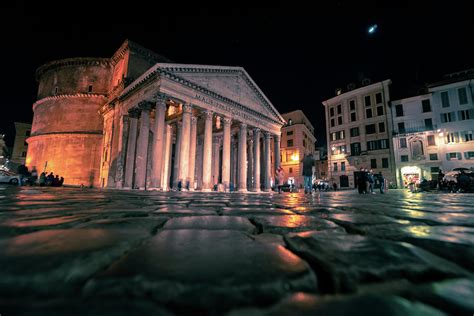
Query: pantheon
x=138, y=121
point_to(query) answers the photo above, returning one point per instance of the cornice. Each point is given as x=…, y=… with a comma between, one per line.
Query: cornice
x=78, y=61
x=66, y=133
x=68, y=96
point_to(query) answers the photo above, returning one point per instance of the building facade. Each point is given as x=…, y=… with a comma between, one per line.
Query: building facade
x=138, y=121
x=20, y=147
x=297, y=139
x=359, y=133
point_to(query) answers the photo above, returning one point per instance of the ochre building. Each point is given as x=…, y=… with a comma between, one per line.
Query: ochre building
x=136, y=120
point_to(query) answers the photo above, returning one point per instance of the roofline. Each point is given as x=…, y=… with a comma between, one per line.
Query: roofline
x=301, y=113
x=356, y=91
x=425, y=95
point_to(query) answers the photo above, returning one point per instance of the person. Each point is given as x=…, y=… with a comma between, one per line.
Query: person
x=382, y=182
x=371, y=179
x=308, y=162
x=61, y=181
x=280, y=177
x=440, y=179
x=34, y=176
x=361, y=187
x=463, y=181
x=55, y=181
x=49, y=179
x=22, y=170
x=334, y=186
x=42, y=179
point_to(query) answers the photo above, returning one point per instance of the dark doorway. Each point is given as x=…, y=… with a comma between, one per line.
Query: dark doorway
x=344, y=180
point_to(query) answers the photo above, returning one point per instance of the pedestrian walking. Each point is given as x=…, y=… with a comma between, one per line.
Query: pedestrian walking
x=308, y=163
x=280, y=177
x=382, y=182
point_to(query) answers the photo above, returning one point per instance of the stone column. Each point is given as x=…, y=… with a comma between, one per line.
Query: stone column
x=192, y=153
x=250, y=161
x=142, y=145
x=243, y=158
x=158, y=141
x=256, y=160
x=268, y=162
x=215, y=159
x=133, y=115
x=121, y=157
x=167, y=159
x=177, y=149
x=226, y=153
x=276, y=155
x=184, y=146
x=207, y=152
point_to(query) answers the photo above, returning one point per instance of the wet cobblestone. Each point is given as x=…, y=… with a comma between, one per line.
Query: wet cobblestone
x=95, y=252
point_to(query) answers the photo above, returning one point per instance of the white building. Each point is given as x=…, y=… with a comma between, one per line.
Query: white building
x=416, y=141
x=453, y=106
x=359, y=133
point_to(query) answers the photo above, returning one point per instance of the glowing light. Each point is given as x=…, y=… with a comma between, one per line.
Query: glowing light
x=295, y=157
x=372, y=29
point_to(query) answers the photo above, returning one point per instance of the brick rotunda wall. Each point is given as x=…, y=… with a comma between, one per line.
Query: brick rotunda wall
x=66, y=135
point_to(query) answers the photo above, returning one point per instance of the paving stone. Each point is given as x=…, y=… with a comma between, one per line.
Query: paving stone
x=431, y=218
x=292, y=223
x=54, y=262
x=149, y=224
x=186, y=211
x=343, y=261
x=195, y=269
x=306, y=304
x=254, y=211
x=211, y=223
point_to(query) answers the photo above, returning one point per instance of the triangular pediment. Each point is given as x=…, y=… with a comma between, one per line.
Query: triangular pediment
x=230, y=82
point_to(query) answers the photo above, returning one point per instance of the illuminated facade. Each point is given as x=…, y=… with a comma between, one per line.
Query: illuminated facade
x=138, y=121
x=297, y=139
x=435, y=131
x=20, y=147
x=359, y=133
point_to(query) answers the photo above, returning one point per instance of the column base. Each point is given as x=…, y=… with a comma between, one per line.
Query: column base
x=242, y=190
x=256, y=190
x=206, y=190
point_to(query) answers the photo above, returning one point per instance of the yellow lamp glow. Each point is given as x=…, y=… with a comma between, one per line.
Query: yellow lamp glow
x=295, y=157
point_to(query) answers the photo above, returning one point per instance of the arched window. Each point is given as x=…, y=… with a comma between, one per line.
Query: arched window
x=416, y=146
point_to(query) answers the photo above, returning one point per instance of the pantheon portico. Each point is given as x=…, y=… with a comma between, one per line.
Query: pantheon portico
x=138, y=121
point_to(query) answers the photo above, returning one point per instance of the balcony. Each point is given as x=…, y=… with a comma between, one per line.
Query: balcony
x=417, y=126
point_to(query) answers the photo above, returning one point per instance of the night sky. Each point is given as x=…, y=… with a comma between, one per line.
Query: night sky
x=297, y=54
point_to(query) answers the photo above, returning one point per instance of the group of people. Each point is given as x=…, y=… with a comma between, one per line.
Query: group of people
x=31, y=178
x=367, y=179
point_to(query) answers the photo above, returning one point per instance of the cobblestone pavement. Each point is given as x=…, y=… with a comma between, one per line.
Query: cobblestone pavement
x=89, y=252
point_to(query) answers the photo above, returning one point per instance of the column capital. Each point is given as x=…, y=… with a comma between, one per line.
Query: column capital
x=134, y=112
x=227, y=121
x=160, y=98
x=208, y=114
x=187, y=108
x=267, y=135
x=256, y=130
x=194, y=120
x=144, y=105
x=243, y=125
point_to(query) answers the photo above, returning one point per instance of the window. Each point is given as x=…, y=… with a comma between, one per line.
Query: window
x=367, y=100
x=368, y=113
x=289, y=133
x=465, y=115
x=354, y=132
x=404, y=158
x=379, y=110
x=450, y=156
x=23, y=154
x=355, y=149
x=378, y=98
x=431, y=140
x=428, y=123
x=381, y=127
x=28, y=133
x=444, y=99
x=370, y=129
x=434, y=156
x=426, y=106
x=304, y=143
x=452, y=138
x=468, y=136
x=462, y=96
x=353, y=117
x=352, y=105
x=331, y=111
x=339, y=120
x=401, y=127
x=339, y=109
x=399, y=110
x=290, y=170
x=469, y=154
x=335, y=166
x=434, y=169
x=290, y=122
x=343, y=166
x=447, y=117
x=403, y=143
x=377, y=144
x=332, y=122
x=384, y=162
x=56, y=90
x=373, y=163
x=289, y=143
x=337, y=150
x=90, y=89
